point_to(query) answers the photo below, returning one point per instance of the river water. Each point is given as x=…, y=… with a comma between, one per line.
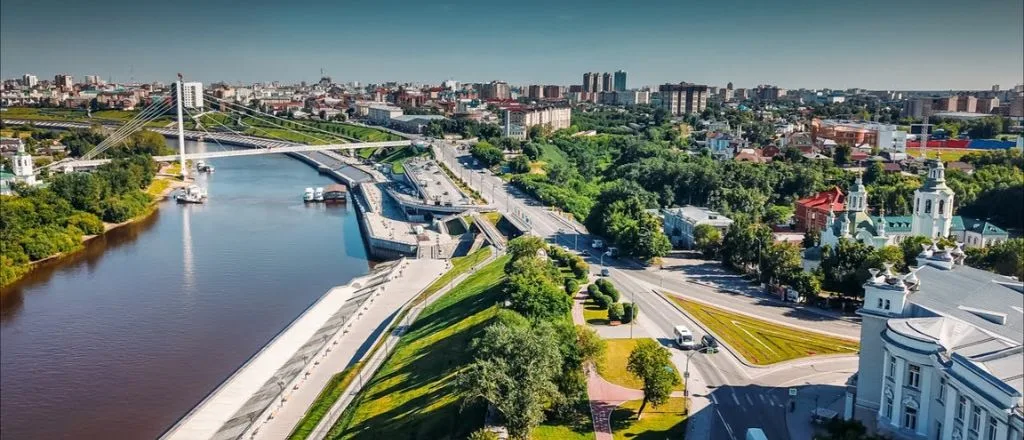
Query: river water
x=120, y=340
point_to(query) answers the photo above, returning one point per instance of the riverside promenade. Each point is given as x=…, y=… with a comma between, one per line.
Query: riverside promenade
x=268, y=395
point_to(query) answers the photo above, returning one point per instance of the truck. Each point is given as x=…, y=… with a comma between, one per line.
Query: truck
x=684, y=338
x=597, y=244
x=756, y=434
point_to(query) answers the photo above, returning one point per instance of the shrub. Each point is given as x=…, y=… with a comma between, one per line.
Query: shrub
x=88, y=223
x=629, y=312
x=602, y=300
x=580, y=268
x=593, y=291
x=615, y=312
x=571, y=286
x=608, y=289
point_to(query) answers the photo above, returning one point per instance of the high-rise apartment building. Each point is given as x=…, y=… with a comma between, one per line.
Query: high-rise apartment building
x=768, y=93
x=620, y=80
x=64, y=80
x=591, y=82
x=496, y=90
x=683, y=98
x=607, y=82
x=552, y=92
x=535, y=91
x=92, y=80
x=987, y=105
x=966, y=103
x=29, y=80
x=192, y=94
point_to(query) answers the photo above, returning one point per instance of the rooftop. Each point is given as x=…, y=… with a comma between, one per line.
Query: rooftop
x=697, y=214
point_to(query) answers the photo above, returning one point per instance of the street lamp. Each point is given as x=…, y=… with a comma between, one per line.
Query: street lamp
x=686, y=371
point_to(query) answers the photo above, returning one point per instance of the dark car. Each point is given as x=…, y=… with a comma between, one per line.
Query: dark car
x=710, y=344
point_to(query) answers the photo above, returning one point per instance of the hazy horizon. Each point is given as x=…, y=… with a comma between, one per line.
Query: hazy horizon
x=800, y=44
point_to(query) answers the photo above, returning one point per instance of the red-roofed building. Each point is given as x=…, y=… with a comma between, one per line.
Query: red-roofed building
x=812, y=212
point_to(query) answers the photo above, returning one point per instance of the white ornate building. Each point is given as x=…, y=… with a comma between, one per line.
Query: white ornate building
x=932, y=217
x=22, y=171
x=941, y=353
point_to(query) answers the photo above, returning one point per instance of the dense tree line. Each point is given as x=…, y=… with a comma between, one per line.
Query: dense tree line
x=40, y=222
x=529, y=362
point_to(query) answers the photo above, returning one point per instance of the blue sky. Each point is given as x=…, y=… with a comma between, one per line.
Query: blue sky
x=868, y=43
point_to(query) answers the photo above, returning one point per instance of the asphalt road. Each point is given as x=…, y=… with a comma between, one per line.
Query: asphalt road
x=739, y=400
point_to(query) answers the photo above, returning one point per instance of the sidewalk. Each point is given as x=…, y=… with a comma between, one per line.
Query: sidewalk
x=798, y=422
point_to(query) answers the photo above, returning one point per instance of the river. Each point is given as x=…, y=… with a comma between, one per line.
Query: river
x=121, y=339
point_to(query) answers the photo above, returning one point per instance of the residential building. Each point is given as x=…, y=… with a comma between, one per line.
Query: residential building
x=620, y=80
x=679, y=223
x=768, y=93
x=987, y=105
x=527, y=116
x=931, y=216
x=741, y=94
x=723, y=146
x=725, y=95
x=29, y=80
x=535, y=92
x=632, y=97
x=941, y=352
x=496, y=90
x=920, y=108
x=192, y=94
x=92, y=80
x=415, y=124
x=513, y=127
x=811, y=213
x=607, y=82
x=980, y=233
x=64, y=81
x=592, y=82
x=683, y=98
x=382, y=114
x=966, y=103
x=552, y=92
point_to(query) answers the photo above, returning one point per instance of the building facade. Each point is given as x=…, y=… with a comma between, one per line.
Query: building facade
x=811, y=213
x=382, y=114
x=552, y=92
x=884, y=136
x=941, y=353
x=683, y=98
x=496, y=90
x=620, y=80
x=192, y=94
x=64, y=81
x=679, y=223
x=29, y=80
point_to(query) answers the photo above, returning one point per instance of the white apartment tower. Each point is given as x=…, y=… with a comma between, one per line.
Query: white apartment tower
x=29, y=80
x=192, y=94
x=933, y=204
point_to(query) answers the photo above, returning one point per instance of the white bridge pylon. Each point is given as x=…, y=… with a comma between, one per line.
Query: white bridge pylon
x=251, y=152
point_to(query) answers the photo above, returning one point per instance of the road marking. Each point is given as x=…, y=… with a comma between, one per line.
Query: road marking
x=761, y=396
x=774, y=402
x=749, y=400
x=713, y=399
x=734, y=399
x=728, y=428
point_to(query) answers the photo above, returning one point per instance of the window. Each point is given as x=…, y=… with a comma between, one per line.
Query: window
x=888, y=407
x=886, y=304
x=892, y=359
x=917, y=206
x=976, y=419
x=961, y=407
x=910, y=418
x=942, y=204
x=880, y=306
x=913, y=376
x=993, y=426
x=942, y=391
x=938, y=430
x=927, y=206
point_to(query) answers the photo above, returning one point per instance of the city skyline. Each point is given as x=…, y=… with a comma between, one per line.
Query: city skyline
x=748, y=44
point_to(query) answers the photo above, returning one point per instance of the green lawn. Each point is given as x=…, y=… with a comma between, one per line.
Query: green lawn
x=552, y=154
x=582, y=429
x=494, y=217
x=761, y=342
x=595, y=315
x=613, y=367
x=366, y=153
x=945, y=154
x=664, y=422
x=397, y=158
x=323, y=403
x=412, y=396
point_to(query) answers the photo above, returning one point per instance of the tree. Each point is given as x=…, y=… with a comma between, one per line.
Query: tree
x=591, y=346
x=778, y=214
x=912, y=247
x=615, y=312
x=843, y=267
x=841, y=155
x=525, y=246
x=487, y=153
x=532, y=150
x=514, y=370
x=483, y=434
x=708, y=240
x=533, y=290
x=652, y=364
x=519, y=165
x=781, y=262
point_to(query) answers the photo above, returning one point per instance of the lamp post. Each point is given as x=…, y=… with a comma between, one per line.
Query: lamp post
x=759, y=246
x=686, y=371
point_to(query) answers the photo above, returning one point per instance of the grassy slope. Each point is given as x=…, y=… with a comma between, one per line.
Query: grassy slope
x=665, y=421
x=323, y=403
x=613, y=368
x=761, y=342
x=593, y=314
x=412, y=396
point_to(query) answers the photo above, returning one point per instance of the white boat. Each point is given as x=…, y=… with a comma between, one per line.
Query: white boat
x=204, y=167
x=318, y=195
x=191, y=194
x=307, y=195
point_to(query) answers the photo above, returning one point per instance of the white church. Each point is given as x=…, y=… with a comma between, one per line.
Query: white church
x=21, y=166
x=932, y=217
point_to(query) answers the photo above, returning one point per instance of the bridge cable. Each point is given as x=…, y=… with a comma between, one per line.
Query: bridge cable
x=291, y=130
x=148, y=115
x=333, y=135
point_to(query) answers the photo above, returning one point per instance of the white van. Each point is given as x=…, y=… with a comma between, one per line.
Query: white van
x=684, y=338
